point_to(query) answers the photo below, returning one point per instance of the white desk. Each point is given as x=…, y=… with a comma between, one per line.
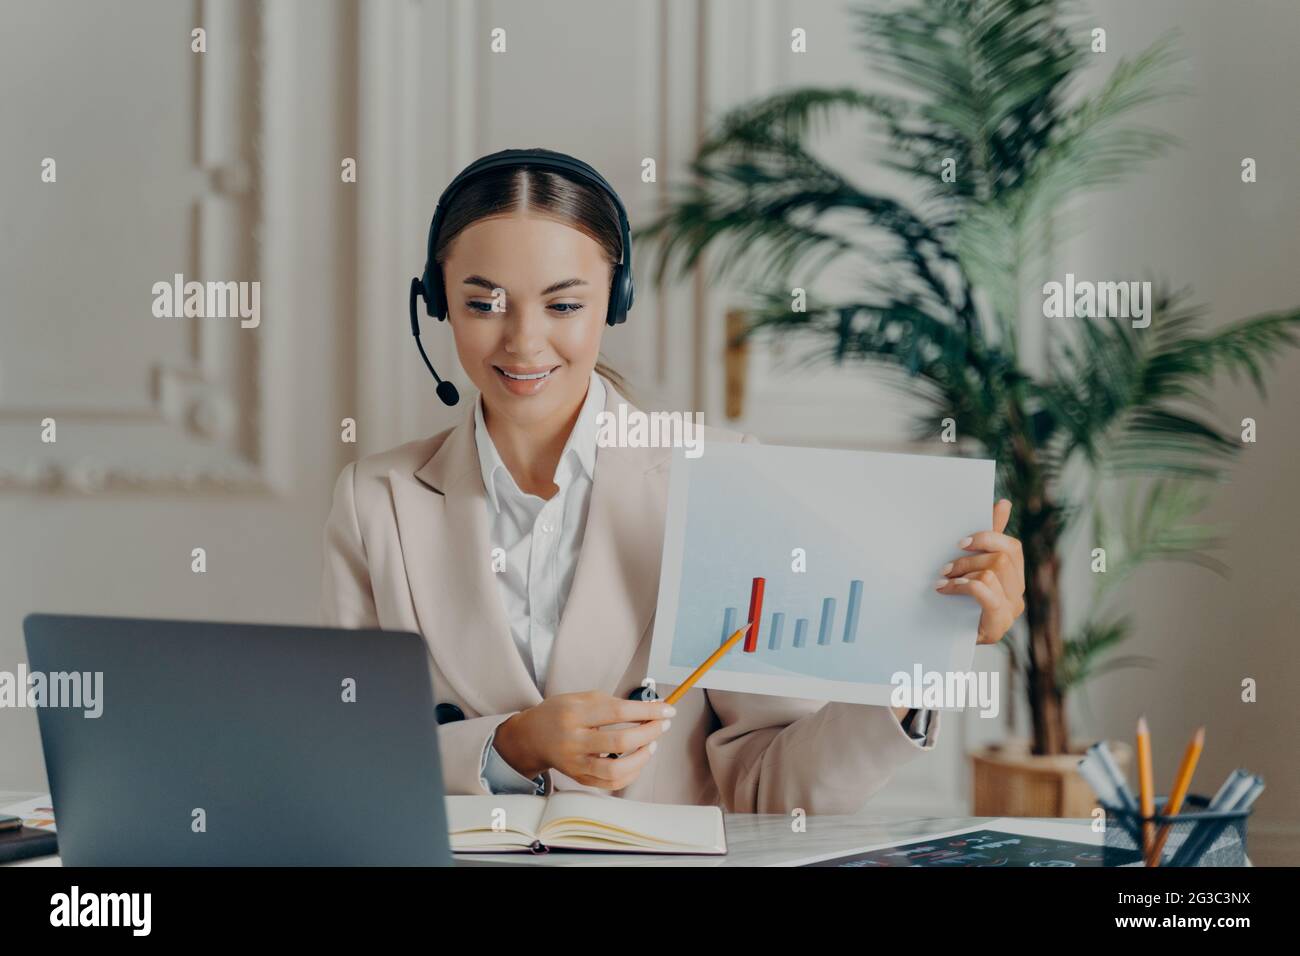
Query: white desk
x=752, y=840
x=768, y=840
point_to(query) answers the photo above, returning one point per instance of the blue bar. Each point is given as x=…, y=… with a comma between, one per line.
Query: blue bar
x=774, y=639
x=728, y=625
x=855, y=602
x=828, y=619
x=800, y=631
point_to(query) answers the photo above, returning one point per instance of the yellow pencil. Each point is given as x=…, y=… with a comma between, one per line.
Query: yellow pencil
x=699, y=671
x=1146, y=784
x=1181, y=783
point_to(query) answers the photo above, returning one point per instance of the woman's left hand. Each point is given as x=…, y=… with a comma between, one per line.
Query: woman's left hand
x=995, y=576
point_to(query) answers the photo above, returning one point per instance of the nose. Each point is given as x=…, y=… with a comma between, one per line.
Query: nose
x=525, y=333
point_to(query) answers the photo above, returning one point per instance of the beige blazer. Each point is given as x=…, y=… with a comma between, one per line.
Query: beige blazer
x=407, y=548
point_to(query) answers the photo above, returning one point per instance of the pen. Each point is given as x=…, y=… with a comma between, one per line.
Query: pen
x=1093, y=771
x=1112, y=769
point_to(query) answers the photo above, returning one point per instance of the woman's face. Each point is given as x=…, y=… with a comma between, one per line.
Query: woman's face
x=552, y=283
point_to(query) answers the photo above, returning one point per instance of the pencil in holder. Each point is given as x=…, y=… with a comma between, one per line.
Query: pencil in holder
x=1196, y=836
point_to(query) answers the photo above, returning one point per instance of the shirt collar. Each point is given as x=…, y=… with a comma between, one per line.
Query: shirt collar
x=580, y=445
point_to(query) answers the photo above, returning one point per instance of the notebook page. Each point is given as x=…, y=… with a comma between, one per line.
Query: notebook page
x=670, y=826
x=475, y=814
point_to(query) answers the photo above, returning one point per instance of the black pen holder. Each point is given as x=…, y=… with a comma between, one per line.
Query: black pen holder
x=1195, y=836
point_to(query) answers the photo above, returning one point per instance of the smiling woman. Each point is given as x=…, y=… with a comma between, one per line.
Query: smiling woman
x=473, y=537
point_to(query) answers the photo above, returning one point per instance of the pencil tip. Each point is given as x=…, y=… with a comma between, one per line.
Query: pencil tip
x=1142, y=724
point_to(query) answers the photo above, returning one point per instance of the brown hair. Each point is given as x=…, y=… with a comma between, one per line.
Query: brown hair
x=567, y=199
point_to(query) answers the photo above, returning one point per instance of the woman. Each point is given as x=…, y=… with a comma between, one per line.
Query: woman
x=529, y=558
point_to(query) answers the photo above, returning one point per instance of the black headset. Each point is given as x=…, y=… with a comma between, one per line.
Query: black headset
x=430, y=286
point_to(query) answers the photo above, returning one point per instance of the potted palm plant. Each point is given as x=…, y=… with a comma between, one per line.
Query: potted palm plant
x=1109, y=431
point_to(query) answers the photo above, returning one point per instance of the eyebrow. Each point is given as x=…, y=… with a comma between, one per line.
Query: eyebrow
x=553, y=287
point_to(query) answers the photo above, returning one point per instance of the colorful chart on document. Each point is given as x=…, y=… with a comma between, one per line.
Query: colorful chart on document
x=833, y=554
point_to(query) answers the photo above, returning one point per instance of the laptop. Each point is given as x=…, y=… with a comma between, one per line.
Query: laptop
x=222, y=744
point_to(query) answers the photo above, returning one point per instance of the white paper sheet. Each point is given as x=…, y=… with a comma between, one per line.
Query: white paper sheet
x=37, y=812
x=888, y=521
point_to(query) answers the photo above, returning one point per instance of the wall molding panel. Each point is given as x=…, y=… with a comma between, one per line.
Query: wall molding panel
x=200, y=430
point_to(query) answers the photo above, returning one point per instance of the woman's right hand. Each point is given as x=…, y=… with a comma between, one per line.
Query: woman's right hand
x=566, y=732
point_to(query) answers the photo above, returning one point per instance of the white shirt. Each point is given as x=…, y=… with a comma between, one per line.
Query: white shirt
x=541, y=540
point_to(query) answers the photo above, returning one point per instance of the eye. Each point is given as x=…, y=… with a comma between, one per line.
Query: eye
x=473, y=306
x=568, y=308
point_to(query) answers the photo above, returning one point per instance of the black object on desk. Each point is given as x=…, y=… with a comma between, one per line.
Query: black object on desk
x=27, y=842
x=1197, y=836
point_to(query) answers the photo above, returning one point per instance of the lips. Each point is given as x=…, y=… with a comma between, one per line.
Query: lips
x=525, y=382
x=526, y=375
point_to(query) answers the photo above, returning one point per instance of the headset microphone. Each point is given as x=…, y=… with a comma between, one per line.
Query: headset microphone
x=446, y=391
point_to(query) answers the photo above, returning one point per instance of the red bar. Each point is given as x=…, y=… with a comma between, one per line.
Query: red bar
x=755, y=612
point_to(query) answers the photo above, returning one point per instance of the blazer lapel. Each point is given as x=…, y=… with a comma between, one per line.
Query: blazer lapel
x=442, y=522
x=616, y=582
x=443, y=526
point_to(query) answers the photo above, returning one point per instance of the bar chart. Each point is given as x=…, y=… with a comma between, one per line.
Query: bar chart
x=769, y=632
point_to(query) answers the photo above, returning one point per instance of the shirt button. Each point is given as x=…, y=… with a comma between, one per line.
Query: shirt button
x=547, y=527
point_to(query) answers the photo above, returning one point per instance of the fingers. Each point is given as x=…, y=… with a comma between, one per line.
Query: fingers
x=627, y=739
x=1009, y=573
x=990, y=541
x=581, y=747
x=980, y=584
x=995, y=606
x=996, y=552
x=1001, y=514
x=610, y=773
x=614, y=710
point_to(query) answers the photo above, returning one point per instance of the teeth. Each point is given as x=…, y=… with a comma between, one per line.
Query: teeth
x=524, y=378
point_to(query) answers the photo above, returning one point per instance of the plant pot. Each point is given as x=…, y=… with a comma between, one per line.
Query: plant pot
x=1009, y=781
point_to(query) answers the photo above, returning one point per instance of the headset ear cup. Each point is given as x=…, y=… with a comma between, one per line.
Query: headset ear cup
x=620, y=299
x=435, y=298
x=615, y=300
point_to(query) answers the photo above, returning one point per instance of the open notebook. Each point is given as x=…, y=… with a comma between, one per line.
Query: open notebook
x=574, y=820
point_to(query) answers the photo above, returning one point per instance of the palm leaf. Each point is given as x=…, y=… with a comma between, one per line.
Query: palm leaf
x=1082, y=657
x=1155, y=525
